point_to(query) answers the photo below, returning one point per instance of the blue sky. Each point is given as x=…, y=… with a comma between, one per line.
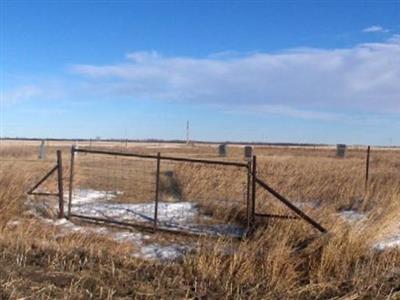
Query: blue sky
x=294, y=71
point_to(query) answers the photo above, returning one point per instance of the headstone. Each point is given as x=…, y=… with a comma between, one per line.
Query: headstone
x=42, y=150
x=341, y=150
x=248, y=152
x=76, y=146
x=222, y=150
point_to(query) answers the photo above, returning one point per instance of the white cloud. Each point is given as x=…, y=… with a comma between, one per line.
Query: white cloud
x=375, y=28
x=364, y=78
x=21, y=93
x=272, y=109
x=38, y=90
x=142, y=56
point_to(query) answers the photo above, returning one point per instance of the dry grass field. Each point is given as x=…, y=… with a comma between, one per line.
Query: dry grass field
x=359, y=258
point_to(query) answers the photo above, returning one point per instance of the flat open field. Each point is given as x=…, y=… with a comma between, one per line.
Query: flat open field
x=42, y=257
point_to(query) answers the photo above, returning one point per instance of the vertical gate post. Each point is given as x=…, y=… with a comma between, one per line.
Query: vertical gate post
x=253, y=189
x=248, y=200
x=60, y=185
x=367, y=168
x=157, y=191
x=71, y=180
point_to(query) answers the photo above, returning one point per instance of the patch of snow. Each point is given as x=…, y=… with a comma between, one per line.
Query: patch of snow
x=388, y=243
x=228, y=230
x=307, y=205
x=171, y=215
x=179, y=212
x=68, y=227
x=152, y=251
x=352, y=216
x=156, y=251
x=83, y=196
x=13, y=223
x=128, y=236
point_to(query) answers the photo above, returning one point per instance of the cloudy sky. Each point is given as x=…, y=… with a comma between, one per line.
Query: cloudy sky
x=324, y=72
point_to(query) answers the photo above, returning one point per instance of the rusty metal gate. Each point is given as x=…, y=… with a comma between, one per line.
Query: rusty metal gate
x=166, y=193
x=157, y=192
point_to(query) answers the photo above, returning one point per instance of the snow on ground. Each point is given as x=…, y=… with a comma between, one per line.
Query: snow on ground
x=171, y=215
x=156, y=251
x=355, y=218
x=181, y=216
x=352, y=216
x=307, y=205
x=391, y=242
x=145, y=248
x=90, y=195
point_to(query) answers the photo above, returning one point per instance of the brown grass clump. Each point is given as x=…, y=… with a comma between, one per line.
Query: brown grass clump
x=284, y=259
x=12, y=183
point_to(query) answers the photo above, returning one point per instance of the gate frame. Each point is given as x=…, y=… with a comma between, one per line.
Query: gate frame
x=253, y=181
x=159, y=159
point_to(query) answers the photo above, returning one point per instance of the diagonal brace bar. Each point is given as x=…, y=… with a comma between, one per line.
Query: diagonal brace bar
x=42, y=180
x=285, y=201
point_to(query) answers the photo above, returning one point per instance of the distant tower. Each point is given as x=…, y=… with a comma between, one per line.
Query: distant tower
x=187, y=133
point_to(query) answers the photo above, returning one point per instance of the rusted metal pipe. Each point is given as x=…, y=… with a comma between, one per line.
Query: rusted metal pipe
x=71, y=179
x=276, y=216
x=367, y=168
x=248, y=200
x=171, y=158
x=157, y=191
x=253, y=190
x=44, y=194
x=144, y=227
x=30, y=192
x=285, y=201
x=60, y=184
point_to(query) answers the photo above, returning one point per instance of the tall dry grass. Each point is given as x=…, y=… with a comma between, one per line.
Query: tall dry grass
x=284, y=259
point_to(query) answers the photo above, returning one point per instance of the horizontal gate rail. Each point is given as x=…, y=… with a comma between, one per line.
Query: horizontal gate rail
x=148, y=228
x=44, y=194
x=276, y=216
x=294, y=208
x=171, y=158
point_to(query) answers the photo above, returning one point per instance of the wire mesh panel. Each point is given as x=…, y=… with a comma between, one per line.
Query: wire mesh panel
x=202, y=198
x=114, y=188
x=165, y=193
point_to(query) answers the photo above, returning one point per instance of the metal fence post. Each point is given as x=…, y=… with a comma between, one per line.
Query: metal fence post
x=253, y=189
x=71, y=180
x=367, y=168
x=248, y=202
x=60, y=185
x=157, y=191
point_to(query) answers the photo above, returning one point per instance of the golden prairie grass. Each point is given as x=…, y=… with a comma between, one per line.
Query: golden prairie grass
x=284, y=259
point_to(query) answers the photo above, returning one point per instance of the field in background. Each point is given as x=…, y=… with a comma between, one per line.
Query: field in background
x=281, y=261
